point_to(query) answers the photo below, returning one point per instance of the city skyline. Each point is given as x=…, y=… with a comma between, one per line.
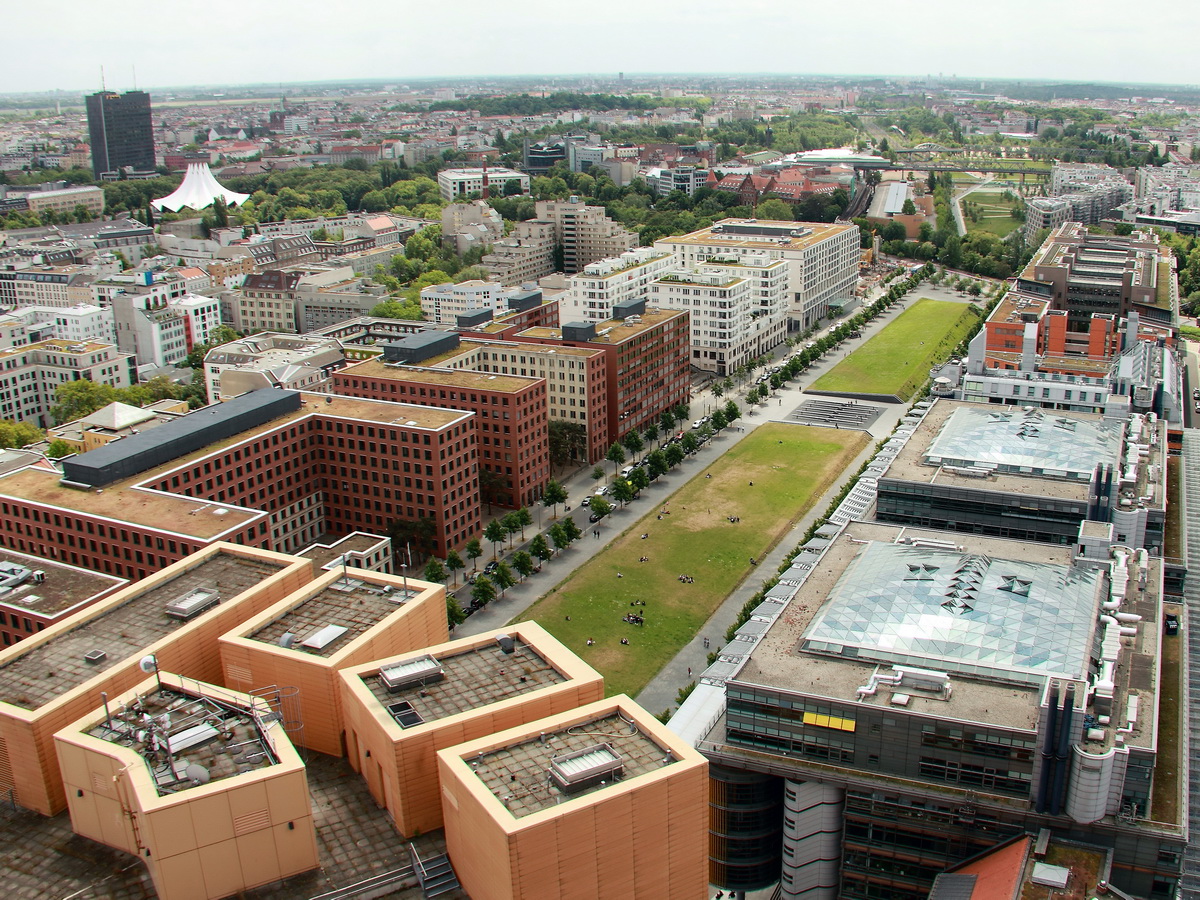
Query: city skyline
x=940, y=39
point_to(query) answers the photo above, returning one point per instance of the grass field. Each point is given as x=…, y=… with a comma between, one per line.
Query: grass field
x=791, y=466
x=897, y=360
x=996, y=213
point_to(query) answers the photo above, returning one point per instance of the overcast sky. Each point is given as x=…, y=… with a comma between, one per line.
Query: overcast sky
x=254, y=41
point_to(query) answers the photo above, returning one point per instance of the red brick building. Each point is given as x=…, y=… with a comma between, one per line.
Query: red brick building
x=646, y=363
x=510, y=418
x=331, y=465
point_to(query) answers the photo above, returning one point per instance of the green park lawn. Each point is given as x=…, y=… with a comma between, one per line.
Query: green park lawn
x=791, y=466
x=897, y=360
x=996, y=213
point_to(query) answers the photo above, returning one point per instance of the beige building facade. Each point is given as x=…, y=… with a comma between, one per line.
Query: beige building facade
x=602, y=801
x=400, y=711
x=200, y=783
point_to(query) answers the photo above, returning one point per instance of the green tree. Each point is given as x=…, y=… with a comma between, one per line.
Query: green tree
x=474, y=550
x=554, y=494
x=58, y=449
x=511, y=523
x=658, y=463
x=691, y=443
x=503, y=576
x=909, y=208
x=718, y=420
x=732, y=412
x=454, y=562
x=633, y=443
x=601, y=507
x=21, y=434
x=650, y=433
x=639, y=479
x=454, y=613
x=558, y=535
x=523, y=563
x=616, y=456
x=494, y=533
x=539, y=548
x=434, y=570
x=667, y=422
x=572, y=530
x=774, y=209
x=597, y=473
x=483, y=591
x=622, y=491
x=74, y=399
x=675, y=455
x=525, y=518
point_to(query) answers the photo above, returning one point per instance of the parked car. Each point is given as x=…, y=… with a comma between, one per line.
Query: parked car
x=1172, y=623
x=491, y=567
x=1196, y=394
x=627, y=471
x=600, y=491
x=586, y=502
x=595, y=517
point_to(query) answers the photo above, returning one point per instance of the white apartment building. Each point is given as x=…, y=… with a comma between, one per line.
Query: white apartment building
x=454, y=183
x=297, y=362
x=31, y=374
x=586, y=233
x=77, y=324
x=151, y=284
x=591, y=295
x=466, y=226
x=160, y=332
x=442, y=304
x=822, y=258
x=526, y=255
x=51, y=286
x=739, y=310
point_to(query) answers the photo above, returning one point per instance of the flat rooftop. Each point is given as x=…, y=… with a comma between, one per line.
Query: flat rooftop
x=1007, y=440
x=60, y=589
x=122, y=501
x=519, y=774
x=729, y=233
x=125, y=502
x=618, y=330
x=222, y=738
x=473, y=679
x=57, y=665
x=351, y=603
x=780, y=660
x=466, y=379
x=329, y=547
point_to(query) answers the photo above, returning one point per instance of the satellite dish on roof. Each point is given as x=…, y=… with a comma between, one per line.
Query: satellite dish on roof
x=197, y=774
x=148, y=663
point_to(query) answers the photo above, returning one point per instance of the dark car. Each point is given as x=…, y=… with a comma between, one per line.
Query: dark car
x=1172, y=623
x=491, y=567
x=595, y=517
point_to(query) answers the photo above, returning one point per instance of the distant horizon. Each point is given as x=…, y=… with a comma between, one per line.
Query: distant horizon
x=269, y=42
x=937, y=82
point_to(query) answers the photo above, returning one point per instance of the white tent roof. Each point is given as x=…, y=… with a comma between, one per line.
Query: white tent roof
x=199, y=190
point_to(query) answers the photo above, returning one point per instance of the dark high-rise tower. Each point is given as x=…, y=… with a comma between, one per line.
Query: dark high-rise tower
x=120, y=131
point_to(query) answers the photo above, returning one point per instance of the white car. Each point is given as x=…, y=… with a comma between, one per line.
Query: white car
x=627, y=471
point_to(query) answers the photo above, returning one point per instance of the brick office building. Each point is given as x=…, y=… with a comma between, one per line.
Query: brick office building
x=510, y=416
x=274, y=469
x=646, y=361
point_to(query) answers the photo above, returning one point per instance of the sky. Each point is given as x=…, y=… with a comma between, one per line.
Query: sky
x=271, y=41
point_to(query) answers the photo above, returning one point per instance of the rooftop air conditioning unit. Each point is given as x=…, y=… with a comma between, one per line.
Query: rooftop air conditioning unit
x=193, y=603
x=411, y=673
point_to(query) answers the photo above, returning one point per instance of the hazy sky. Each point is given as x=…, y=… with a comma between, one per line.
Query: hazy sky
x=223, y=42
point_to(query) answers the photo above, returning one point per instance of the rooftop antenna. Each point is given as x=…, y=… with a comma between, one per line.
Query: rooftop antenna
x=134, y=70
x=485, y=178
x=103, y=86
